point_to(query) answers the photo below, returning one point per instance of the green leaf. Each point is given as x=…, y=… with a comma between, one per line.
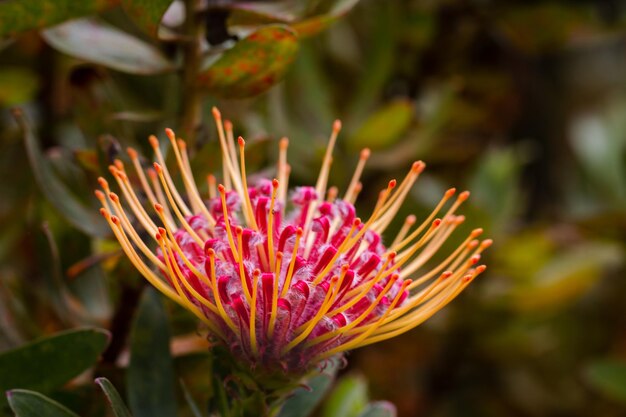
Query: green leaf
x=17, y=85
x=100, y=43
x=609, y=377
x=347, y=399
x=20, y=15
x=118, y=406
x=26, y=403
x=253, y=65
x=384, y=127
x=566, y=278
x=379, y=409
x=303, y=401
x=147, y=14
x=331, y=11
x=81, y=217
x=62, y=356
x=150, y=377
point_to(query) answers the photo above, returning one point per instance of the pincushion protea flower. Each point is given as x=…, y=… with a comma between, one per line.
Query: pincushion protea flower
x=287, y=282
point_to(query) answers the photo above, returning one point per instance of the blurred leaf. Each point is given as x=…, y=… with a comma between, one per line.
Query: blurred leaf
x=17, y=85
x=81, y=217
x=560, y=24
x=118, y=406
x=253, y=65
x=567, y=277
x=32, y=404
x=147, y=14
x=347, y=399
x=150, y=376
x=252, y=13
x=379, y=409
x=20, y=15
x=101, y=43
x=88, y=159
x=384, y=127
x=609, y=377
x=195, y=410
x=303, y=401
x=322, y=16
x=62, y=356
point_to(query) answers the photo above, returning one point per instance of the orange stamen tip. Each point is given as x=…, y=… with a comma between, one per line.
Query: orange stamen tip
x=99, y=194
x=228, y=125
x=418, y=167
x=459, y=219
x=132, y=153
x=152, y=173
x=299, y=232
x=162, y=231
x=221, y=188
x=238, y=230
x=113, y=170
x=279, y=255
x=170, y=133
x=241, y=142
x=114, y=197
x=450, y=192
x=158, y=208
x=337, y=125
x=118, y=164
x=486, y=243
x=464, y=195
x=154, y=142
x=477, y=232
x=474, y=259
x=394, y=277
x=436, y=222
x=392, y=255
x=345, y=267
x=392, y=184
x=158, y=236
x=210, y=252
x=446, y=275
x=211, y=178
x=181, y=144
x=356, y=222
x=406, y=283
x=115, y=220
x=256, y=272
x=467, y=278
x=472, y=244
x=411, y=219
x=284, y=143
x=104, y=212
x=358, y=187
x=480, y=269
x=275, y=183
x=103, y=183
x=216, y=113
x=365, y=153
x=158, y=168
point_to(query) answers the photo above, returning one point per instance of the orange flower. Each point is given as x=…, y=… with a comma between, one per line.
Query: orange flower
x=287, y=282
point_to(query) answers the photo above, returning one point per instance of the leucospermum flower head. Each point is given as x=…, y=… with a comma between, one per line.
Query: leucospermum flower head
x=286, y=279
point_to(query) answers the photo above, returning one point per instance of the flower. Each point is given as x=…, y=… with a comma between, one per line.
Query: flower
x=286, y=283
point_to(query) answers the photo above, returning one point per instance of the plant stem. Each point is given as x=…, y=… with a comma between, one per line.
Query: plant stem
x=192, y=58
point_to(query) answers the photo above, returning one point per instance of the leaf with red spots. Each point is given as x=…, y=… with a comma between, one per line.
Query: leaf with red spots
x=21, y=15
x=147, y=14
x=320, y=18
x=253, y=65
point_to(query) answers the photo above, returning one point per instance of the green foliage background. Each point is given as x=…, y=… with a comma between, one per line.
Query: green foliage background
x=523, y=103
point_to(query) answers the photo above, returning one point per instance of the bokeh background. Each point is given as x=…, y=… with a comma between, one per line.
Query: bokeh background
x=523, y=103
